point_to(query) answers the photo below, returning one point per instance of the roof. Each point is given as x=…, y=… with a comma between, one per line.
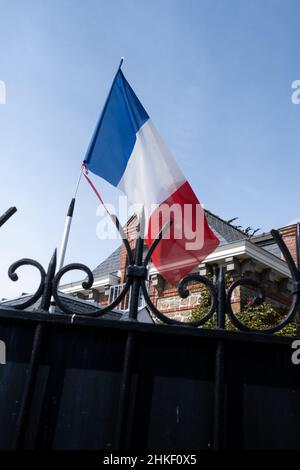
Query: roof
x=109, y=266
x=267, y=242
x=143, y=315
x=82, y=307
x=78, y=306
x=226, y=232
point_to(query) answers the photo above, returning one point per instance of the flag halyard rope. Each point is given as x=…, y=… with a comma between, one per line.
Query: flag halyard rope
x=85, y=174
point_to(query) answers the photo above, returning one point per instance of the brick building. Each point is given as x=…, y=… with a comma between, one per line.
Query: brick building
x=258, y=258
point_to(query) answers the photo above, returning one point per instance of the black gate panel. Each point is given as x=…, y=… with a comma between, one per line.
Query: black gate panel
x=104, y=384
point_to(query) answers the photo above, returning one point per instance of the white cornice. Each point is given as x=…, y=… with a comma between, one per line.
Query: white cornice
x=241, y=250
x=109, y=280
x=244, y=249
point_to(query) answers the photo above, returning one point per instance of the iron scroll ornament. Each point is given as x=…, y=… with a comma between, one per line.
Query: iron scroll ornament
x=139, y=271
x=14, y=277
x=295, y=274
x=87, y=284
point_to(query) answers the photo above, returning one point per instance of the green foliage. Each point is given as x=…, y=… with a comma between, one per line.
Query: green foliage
x=202, y=309
x=254, y=316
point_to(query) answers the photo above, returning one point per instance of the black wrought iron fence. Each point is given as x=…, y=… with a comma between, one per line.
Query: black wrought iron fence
x=137, y=284
x=137, y=276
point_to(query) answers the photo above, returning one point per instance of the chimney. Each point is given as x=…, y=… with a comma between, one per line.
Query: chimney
x=291, y=237
x=130, y=231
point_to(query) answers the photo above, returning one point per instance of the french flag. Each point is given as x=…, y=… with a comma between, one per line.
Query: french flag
x=128, y=152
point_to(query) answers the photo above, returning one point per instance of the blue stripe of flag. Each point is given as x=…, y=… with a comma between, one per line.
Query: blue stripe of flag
x=115, y=135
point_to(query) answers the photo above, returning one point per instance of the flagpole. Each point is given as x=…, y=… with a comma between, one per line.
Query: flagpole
x=68, y=222
x=65, y=237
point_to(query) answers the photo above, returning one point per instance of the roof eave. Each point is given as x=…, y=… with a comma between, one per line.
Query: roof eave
x=244, y=249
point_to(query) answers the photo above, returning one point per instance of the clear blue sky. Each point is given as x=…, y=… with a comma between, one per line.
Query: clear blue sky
x=214, y=76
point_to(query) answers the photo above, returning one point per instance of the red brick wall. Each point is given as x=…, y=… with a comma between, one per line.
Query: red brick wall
x=130, y=232
x=289, y=235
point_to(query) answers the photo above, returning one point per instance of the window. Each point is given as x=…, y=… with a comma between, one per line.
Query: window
x=116, y=290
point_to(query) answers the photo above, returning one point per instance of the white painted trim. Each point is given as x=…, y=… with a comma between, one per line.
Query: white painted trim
x=109, y=280
x=243, y=249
